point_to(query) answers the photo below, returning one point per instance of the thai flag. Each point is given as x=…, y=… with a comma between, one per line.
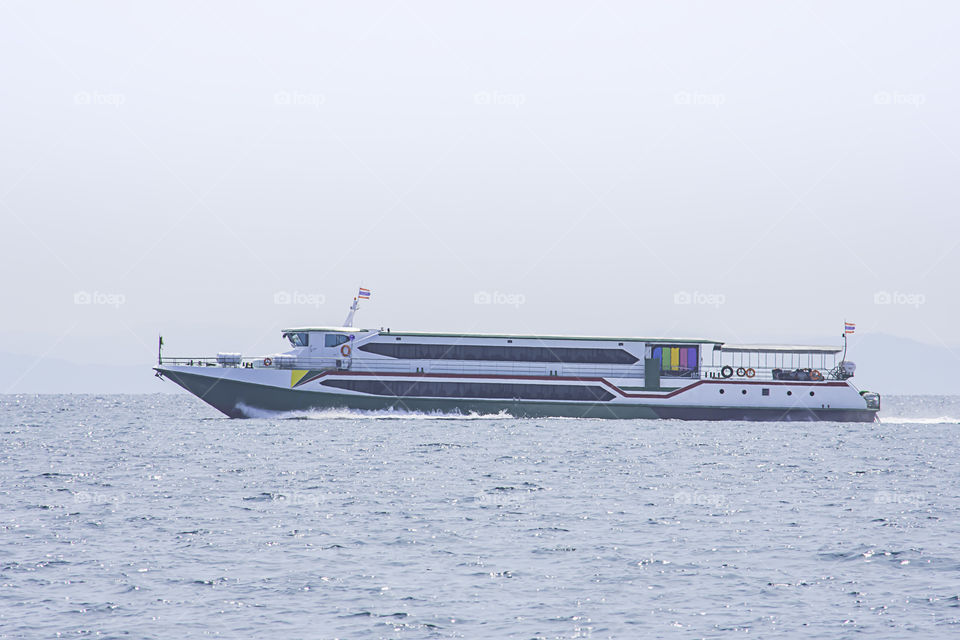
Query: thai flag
x=848, y=327
x=364, y=294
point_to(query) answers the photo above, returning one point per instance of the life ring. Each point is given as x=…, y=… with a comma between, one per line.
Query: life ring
x=741, y=372
x=345, y=351
x=726, y=371
x=751, y=372
x=816, y=375
x=267, y=362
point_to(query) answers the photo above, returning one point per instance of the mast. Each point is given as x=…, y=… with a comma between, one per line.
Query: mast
x=362, y=294
x=353, y=309
x=848, y=328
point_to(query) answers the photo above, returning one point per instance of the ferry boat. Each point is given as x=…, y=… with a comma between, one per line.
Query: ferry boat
x=528, y=376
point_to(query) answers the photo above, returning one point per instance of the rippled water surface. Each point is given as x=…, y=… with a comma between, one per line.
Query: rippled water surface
x=154, y=517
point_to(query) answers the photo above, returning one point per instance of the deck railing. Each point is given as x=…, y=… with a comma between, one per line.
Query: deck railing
x=421, y=366
x=740, y=374
x=707, y=372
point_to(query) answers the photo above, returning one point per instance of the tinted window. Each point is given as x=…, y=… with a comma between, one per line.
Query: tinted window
x=334, y=339
x=298, y=339
x=414, y=388
x=507, y=353
x=677, y=360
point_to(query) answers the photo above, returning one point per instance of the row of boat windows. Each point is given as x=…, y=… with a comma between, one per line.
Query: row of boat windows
x=404, y=388
x=501, y=353
x=302, y=339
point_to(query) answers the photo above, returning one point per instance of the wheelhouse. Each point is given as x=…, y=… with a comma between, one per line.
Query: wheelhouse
x=321, y=337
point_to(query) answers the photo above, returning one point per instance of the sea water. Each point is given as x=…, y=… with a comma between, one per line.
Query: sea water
x=154, y=516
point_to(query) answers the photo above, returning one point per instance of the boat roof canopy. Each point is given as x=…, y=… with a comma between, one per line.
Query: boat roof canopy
x=520, y=336
x=435, y=334
x=778, y=348
x=732, y=348
x=339, y=329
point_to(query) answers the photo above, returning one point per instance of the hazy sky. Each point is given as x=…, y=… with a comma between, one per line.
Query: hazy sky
x=216, y=171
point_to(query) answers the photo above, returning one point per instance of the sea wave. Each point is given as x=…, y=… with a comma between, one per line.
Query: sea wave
x=911, y=420
x=354, y=414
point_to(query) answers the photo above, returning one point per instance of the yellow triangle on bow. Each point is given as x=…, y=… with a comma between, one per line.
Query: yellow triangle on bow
x=296, y=376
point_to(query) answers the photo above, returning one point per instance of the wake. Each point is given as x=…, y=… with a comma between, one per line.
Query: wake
x=360, y=414
x=908, y=420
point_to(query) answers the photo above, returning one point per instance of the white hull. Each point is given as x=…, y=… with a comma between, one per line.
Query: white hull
x=534, y=376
